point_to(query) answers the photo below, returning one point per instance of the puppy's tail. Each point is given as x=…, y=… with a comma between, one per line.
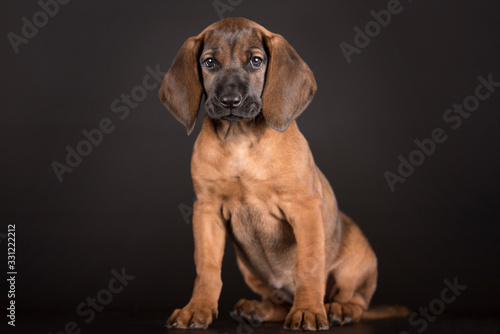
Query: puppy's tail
x=386, y=311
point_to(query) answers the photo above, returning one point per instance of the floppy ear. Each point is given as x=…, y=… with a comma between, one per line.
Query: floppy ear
x=181, y=88
x=289, y=85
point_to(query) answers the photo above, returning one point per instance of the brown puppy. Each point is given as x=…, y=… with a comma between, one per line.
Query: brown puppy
x=255, y=179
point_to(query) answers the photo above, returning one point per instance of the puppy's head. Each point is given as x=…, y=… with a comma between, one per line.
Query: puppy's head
x=243, y=69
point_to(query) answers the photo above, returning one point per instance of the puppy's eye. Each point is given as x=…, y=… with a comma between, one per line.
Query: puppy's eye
x=256, y=61
x=209, y=62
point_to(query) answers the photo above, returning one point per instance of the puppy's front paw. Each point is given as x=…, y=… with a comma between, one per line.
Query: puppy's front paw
x=309, y=319
x=192, y=316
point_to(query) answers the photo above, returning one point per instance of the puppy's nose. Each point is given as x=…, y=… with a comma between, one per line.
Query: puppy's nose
x=230, y=100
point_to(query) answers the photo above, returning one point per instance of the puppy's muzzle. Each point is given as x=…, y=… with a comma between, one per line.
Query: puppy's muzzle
x=233, y=107
x=232, y=99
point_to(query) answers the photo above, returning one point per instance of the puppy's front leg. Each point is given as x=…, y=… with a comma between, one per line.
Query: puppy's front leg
x=308, y=311
x=209, y=238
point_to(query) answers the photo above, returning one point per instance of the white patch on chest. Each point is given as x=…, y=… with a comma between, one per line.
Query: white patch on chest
x=239, y=158
x=275, y=283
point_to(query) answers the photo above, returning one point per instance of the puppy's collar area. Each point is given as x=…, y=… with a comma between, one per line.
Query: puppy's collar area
x=226, y=129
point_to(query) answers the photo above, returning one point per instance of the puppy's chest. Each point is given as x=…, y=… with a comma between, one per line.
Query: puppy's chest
x=244, y=162
x=249, y=197
x=258, y=233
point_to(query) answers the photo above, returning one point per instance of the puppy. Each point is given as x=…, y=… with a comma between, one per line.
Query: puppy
x=256, y=181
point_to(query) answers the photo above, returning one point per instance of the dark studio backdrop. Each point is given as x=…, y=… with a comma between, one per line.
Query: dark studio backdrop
x=125, y=204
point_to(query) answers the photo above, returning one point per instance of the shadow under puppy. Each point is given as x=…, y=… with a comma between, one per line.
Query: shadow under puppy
x=255, y=180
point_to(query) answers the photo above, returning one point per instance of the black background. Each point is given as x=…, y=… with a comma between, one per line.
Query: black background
x=120, y=206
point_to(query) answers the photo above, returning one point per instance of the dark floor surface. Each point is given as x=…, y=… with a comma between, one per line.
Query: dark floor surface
x=154, y=321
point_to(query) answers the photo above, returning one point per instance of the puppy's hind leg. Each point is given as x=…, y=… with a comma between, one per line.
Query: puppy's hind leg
x=270, y=309
x=349, y=299
x=351, y=283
